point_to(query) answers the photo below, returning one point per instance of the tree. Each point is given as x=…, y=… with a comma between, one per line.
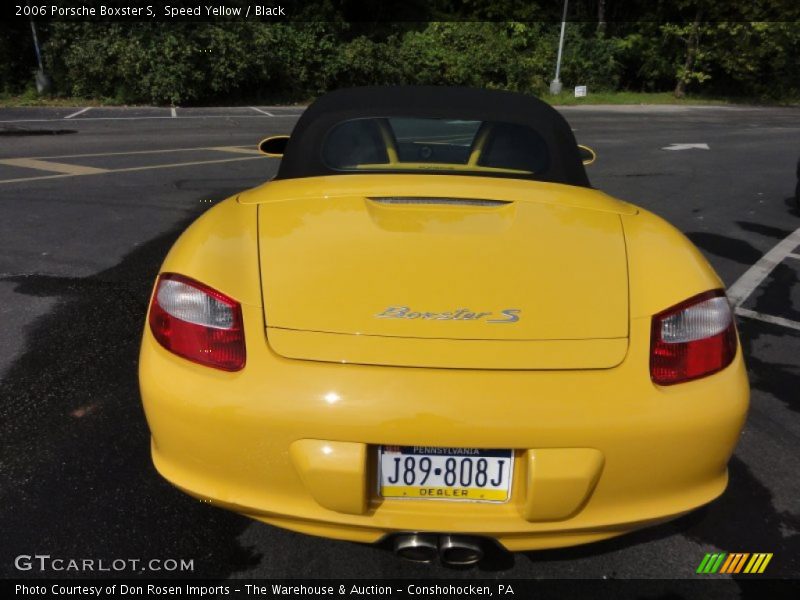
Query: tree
x=687, y=72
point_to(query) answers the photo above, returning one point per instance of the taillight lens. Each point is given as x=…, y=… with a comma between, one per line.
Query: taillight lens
x=198, y=323
x=692, y=339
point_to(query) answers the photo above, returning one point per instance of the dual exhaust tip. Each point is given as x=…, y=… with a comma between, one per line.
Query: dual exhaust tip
x=453, y=550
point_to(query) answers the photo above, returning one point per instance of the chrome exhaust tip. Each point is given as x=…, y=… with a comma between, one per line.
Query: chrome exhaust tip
x=416, y=547
x=460, y=551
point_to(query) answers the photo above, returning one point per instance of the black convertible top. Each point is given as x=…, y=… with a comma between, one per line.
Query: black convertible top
x=304, y=158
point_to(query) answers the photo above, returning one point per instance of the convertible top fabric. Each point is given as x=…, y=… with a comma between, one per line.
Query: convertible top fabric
x=303, y=155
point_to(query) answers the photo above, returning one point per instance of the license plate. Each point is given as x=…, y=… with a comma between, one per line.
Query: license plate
x=423, y=472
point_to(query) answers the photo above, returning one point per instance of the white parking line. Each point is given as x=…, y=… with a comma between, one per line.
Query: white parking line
x=263, y=112
x=741, y=290
x=294, y=116
x=674, y=146
x=752, y=278
x=80, y=112
x=751, y=314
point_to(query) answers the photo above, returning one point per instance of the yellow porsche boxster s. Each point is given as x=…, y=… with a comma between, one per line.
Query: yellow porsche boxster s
x=429, y=329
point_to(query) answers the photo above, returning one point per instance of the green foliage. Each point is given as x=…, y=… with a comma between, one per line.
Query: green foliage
x=159, y=63
x=590, y=60
x=17, y=57
x=756, y=58
x=473, y=54
x=190, y=63
x=647, y=59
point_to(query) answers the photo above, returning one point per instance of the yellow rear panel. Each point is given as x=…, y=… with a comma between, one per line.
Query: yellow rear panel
x=527, y=268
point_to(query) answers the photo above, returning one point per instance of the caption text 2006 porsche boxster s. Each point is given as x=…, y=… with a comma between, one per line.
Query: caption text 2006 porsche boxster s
x=428, y=326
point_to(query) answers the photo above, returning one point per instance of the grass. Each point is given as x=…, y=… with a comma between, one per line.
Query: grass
x=31, y=98
x=566, y=98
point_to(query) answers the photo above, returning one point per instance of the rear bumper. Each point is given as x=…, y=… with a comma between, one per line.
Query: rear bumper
x=598, y=452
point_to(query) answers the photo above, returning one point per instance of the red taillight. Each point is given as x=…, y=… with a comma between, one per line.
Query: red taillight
x=692, y=339
x=198, y=323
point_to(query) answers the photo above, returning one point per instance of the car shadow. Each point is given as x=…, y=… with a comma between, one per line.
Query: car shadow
x=743, y=519
x=76, y=480
x=725, y=246
x=779, y=379
x=766, y=230
x=793, y=205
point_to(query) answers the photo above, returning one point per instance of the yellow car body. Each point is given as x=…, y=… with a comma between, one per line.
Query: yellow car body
x=291, y=439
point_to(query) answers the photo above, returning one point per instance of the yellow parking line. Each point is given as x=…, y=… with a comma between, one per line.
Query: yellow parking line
x=42, y=165
x=186, y=164
x=130, y=169
x=136, y=152
x=236, y=149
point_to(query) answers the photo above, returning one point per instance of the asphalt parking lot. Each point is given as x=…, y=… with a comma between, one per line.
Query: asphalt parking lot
x=90, y=202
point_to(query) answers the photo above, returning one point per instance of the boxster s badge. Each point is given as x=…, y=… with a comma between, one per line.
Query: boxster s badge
x=430, y=329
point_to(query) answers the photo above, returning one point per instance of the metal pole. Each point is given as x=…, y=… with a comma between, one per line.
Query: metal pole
x=561, y=40
x=555, y=85
x=43, y=82
x=36, y=43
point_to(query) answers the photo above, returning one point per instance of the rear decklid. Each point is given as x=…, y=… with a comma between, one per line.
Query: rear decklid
x=443, y=271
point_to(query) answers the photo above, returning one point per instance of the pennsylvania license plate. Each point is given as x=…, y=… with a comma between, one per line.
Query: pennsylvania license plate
x=431, y=473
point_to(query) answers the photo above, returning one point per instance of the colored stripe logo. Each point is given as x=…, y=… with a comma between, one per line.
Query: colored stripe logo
x=734, y=563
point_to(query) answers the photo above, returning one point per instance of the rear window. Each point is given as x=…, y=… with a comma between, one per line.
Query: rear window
x=434, y=145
